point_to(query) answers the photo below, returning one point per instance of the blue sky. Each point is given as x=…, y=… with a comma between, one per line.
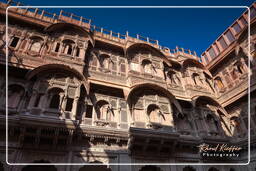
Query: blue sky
x=193, y=29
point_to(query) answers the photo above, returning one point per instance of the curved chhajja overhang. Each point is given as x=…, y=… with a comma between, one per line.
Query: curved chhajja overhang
x=138, y=46
x=47, y=68
x=60, y=27
x=156, y=88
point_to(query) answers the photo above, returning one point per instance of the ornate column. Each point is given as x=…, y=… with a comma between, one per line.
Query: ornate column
x=61, y=46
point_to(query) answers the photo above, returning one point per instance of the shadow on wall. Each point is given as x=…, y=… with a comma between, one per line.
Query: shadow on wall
x=45, y=97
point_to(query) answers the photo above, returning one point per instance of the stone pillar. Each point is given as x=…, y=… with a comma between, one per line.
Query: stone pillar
x=74, y=108
x=62, y=105
x=61, y=47
x=85, y=103
x=43, y=102
x=94, y=116
x=206, y=128
x=32, y=99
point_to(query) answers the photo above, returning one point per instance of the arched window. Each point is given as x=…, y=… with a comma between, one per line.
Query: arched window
x=155, y=114
x=68, y=47
x=15, y=93
x=14, y=42
x=36, y=44
x=170, y=74
x=239, y=67
x=55, y=98
x=105, y=61
x=57, y=47
x=188, y=168
x=35, y=47
x=147, y=66
x=234, y=73
x=218, y=83
x=104, y=110
x=77, y=51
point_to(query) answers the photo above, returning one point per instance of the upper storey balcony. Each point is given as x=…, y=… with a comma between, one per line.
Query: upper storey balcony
x=45, y=19
x=58, y=45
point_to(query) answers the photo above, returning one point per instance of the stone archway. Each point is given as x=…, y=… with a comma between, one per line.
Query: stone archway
x=150, y=168
x=39, y=167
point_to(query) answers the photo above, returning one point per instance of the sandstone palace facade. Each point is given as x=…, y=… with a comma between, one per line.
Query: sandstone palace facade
x=82, y=94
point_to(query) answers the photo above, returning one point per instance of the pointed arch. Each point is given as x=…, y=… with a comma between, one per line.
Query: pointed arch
x=156, y=88
x=72, y=27
x=195, y=63
x=58, y=67
x=192, y=62
x=197, y=100
x=138, y=46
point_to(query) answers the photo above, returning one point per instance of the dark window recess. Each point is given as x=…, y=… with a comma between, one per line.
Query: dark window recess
x=69, y=104
x=37, y=100
x=57, y=47
x=234, y=74
x=14, y=42
x=55, y=101
x=69, y=50
x=77, y=52
x=89, y=111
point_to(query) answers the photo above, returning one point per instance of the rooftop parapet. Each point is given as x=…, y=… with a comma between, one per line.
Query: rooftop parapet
x=223, y=43
x=67, y=17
